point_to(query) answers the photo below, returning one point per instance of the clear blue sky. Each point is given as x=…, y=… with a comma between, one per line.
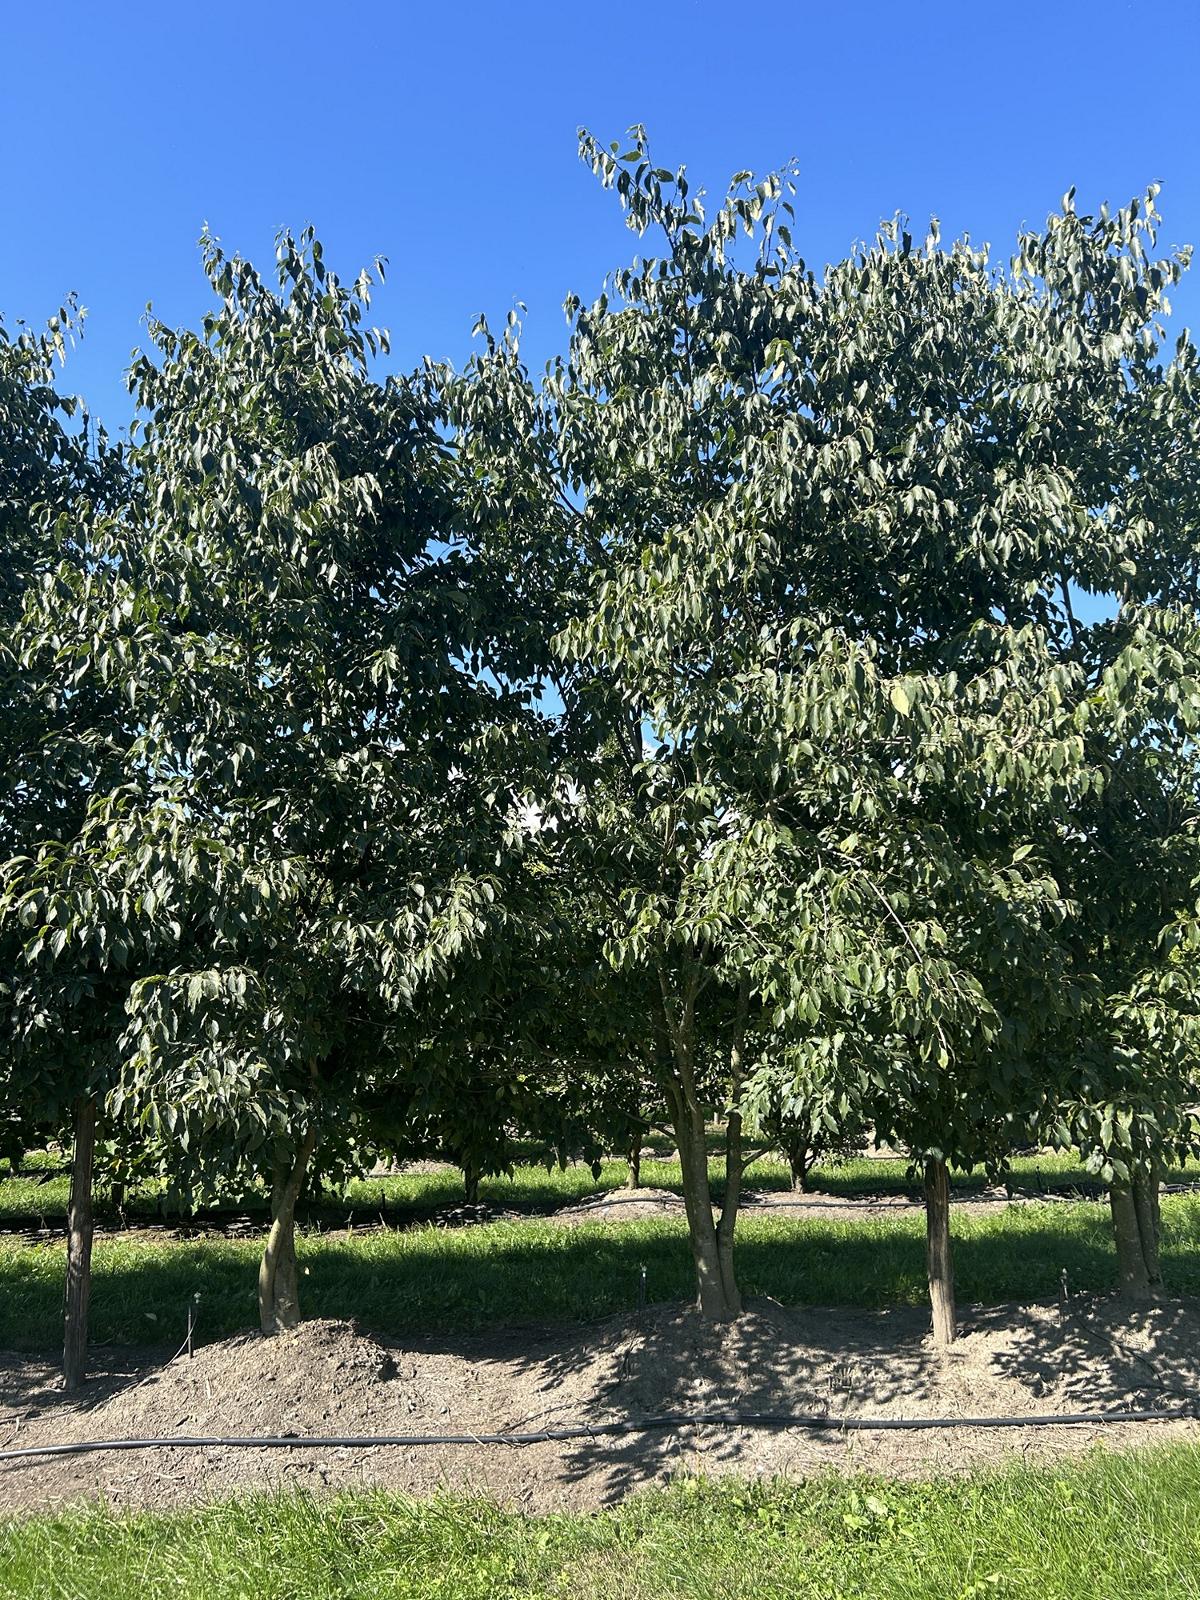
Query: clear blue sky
x=443, y=136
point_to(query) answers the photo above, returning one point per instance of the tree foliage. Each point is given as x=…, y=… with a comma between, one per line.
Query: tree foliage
x=703, y=728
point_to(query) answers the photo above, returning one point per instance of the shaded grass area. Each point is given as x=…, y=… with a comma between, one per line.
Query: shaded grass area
x=434, y=1281
x=1100, y=1528
x=39, y=1193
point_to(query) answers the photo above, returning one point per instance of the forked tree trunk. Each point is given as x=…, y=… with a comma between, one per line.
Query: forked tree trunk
x=79, y=1245
x=799, y=1165
x=716, y=1287
x=938, y=1251
x=1137, y=1229
x=278, y=1272
x=717, y=1292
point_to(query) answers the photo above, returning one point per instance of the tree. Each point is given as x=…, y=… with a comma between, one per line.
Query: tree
x=323, y=775
x=805, y=1119
x=61, y=741
x=1124, y=1077
x=808, y=547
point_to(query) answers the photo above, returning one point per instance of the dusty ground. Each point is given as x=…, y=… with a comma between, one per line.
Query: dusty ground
x=330, y=1378
x=633, y=1205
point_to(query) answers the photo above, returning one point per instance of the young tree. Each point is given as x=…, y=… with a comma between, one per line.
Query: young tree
x=62, y=740
x=808, y=1117
x=324, y=777
x=1124, y=1074
x=808, y=546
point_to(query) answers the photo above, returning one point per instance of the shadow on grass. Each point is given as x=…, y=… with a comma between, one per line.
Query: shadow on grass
x=430, y=1283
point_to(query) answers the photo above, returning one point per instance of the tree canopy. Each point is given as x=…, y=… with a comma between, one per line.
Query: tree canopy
x=702, y=728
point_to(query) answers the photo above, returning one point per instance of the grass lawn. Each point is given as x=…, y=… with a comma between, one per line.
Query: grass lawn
x=431, y=1280
x=1102, y=1528
x=40, y=1192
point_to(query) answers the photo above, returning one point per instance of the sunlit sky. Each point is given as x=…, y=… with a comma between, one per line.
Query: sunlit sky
x=444, y=137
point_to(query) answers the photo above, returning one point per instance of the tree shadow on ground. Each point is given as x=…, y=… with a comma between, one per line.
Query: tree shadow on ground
x=1104, y=1352
x=508, y=1322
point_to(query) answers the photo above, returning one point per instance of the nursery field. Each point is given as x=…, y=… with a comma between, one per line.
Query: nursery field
x=401, y=1255
x=562, y=1298
x=490, y=1319
x=736, y=782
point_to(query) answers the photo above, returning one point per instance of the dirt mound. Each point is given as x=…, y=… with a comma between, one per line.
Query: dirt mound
x=622, y=1205
x=331, y=1378
x=325, y=1377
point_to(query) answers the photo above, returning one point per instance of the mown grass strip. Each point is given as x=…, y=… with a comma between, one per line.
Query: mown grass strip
x=40, y=1191
x=1101, y=1528
x=429, y=1280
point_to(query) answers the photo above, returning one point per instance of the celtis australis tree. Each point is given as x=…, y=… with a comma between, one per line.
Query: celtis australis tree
x=809, y=546
x=61, y=742
x=324, y=785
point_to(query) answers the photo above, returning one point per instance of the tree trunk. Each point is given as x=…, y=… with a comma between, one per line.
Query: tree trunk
x=1136, y=1230
x=729, y=1211
x=1149, y=1215
x=634, y=1180
x=471, y=1182
x=278, y=1272
x=716, y=1290
x=938, y=1252
x=735, y=1160
x=79, y=1245
x=716, y=1287
x=799, y=1165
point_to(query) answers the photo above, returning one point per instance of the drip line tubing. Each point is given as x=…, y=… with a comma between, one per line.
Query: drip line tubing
x=812, y=1421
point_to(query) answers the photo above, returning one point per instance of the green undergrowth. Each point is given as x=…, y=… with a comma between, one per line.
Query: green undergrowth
x=434, y=1281
x=39, y=1192
x=1106, y=1527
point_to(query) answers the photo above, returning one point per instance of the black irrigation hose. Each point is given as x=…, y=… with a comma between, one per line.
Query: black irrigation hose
x=601, y=1430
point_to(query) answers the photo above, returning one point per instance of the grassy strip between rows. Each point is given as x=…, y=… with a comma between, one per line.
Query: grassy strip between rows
x=1106, y=1527
x=40, y=1191
x=429, y=1280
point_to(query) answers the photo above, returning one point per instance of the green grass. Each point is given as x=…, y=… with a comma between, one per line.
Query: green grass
x=1106, y=1527
x=433, y=1280
x=40, y=1192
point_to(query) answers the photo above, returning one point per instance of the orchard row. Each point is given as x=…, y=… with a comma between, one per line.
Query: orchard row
x=783, y=709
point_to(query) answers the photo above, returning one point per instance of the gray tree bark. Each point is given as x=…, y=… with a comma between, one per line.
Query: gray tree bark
x=939, y=1253
x=1137, y=1229
x=79, y=1245
x=278, y=1272
x=634, y=1180
x=799, y=1165
x=717, y=1293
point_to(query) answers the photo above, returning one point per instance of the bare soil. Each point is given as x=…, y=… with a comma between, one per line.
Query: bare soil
x=634, y=1205
x=331, y=1378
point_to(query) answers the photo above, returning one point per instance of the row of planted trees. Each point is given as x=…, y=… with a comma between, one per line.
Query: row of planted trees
x=704, y=728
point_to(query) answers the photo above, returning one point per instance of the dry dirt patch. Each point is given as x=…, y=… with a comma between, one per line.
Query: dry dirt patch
x=331, y=1378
